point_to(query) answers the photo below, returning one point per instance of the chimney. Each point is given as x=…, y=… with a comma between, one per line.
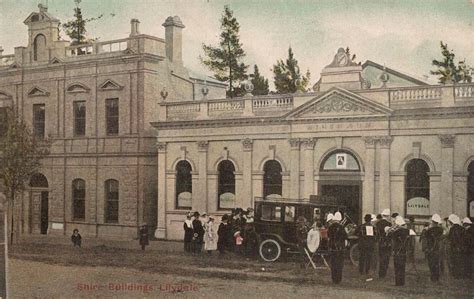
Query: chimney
x=173, y=39
x=135, y=27
x=42, y=8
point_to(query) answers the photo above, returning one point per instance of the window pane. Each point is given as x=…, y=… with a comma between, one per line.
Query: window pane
x=272, y=184
x=184, y=187
x=111, y=201
x=112, y=116
x=226, y=187
x=79, y=118
x=289, y=214
x=79, y=196
x=39, y=120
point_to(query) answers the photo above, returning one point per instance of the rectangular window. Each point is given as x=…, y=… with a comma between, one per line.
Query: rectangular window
x=79, y=199
x=39, y=117
x=271, y=213
x=79, y=118
x=111, y=201
x=112, y=116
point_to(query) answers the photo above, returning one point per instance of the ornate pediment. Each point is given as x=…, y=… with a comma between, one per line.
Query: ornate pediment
x=110, y=85
x=38, y=92
x=338, y=102
x=77, y=88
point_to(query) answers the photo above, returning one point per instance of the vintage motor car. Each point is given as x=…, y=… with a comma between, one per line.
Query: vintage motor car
x=276, y=222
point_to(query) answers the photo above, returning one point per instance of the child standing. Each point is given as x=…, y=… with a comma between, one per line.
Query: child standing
x=76, y=238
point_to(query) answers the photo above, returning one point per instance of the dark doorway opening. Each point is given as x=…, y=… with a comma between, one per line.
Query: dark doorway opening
x=347, y=195
x=44, y=212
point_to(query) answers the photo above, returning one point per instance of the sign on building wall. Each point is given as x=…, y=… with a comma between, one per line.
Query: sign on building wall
x=418, y=206
x=341, y=161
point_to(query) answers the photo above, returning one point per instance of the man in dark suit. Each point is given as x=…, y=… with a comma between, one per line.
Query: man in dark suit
x=399, y=234
x=385, y=246
x=432, y=237
x=337, y=242
x=366, y=234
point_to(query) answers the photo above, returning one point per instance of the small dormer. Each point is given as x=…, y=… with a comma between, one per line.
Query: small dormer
x=43, y=31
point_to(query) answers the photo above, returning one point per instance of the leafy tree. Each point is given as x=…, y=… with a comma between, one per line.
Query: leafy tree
x=260, y=83
x=20, y=155
x=225, y=59
x=448, y=71
x=76, y=29
x=287, y=75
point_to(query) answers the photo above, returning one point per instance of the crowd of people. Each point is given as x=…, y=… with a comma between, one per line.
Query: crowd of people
x=391, y=235
x=235, y=233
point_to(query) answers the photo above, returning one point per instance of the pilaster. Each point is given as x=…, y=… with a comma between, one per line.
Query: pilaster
x=295, y=167
x=201, y=203
x=308, y=155
x=384, y=171
x=160, y=232
x=368, y=204
x=447, y=164
x=246, y=191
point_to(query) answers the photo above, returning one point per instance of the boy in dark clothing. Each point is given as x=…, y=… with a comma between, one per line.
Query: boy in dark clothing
x=76, y=238
x=144, y=236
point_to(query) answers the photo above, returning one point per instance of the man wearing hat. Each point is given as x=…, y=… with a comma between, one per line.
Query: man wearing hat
x=337, y=242
x=399, y=234
x=198, y=233
x=456, y=246
x=468, y=247
x=385, y=246
x=366, y=234
x=432, y=237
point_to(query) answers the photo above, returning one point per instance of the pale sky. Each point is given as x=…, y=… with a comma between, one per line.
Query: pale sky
x=403, y=35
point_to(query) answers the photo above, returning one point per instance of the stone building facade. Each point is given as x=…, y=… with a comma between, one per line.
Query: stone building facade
x=368, y=137
x=95, y=102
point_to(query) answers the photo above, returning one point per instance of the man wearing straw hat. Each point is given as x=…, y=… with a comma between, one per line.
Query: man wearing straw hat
x=337, y=241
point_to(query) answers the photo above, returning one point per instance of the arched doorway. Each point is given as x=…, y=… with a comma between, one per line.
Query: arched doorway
x=341, y=182
x=39, y=208
x=470, y=191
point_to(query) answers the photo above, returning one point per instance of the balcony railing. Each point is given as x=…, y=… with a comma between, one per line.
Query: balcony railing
x=277, y=105
x=417, y=93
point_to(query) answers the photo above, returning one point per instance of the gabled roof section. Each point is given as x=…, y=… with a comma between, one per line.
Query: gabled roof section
x=110, y=85
x=55, y=60
x=77, y=88
x=37, y=92
x=405, y=76
x=41, y=16
x=339, y=103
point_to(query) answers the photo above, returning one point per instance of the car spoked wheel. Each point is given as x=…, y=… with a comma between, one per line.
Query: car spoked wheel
x=270, y=250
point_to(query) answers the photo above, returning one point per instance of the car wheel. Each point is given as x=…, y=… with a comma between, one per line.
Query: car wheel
x=270, y=250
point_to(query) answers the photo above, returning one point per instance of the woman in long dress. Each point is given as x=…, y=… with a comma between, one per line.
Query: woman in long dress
x=210, y=236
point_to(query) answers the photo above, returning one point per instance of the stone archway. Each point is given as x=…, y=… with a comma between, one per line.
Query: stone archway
x=39, y=204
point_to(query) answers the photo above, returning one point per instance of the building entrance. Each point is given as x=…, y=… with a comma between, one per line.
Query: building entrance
x=348, y=195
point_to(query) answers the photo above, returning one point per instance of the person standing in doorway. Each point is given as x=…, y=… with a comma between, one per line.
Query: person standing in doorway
x=337, y=243
x=385, y=247
x=144, y=236
x=399, y=234
x=366, y=234
x=432, y=240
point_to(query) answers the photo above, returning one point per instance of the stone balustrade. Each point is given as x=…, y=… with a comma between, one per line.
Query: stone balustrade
x=276, y=105
x=417, y=93
x=464, y=91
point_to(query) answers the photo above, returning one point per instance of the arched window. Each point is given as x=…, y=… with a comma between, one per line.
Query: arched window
x=417, y=187
x=272, y=180
x=78, y=199
x=184, y=185
x=470, y=191
x=226, y=187
x=111, y=201
x=340, y=161
x=39, y=48
x=38, y=180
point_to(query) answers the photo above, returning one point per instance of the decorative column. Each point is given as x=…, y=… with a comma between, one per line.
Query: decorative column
x=295, y=168
x=308, y=156
x=384, y=172
x=368, y=203
x=160, y=232
x=447, y=161
x=200, y=199
x=247, y=195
